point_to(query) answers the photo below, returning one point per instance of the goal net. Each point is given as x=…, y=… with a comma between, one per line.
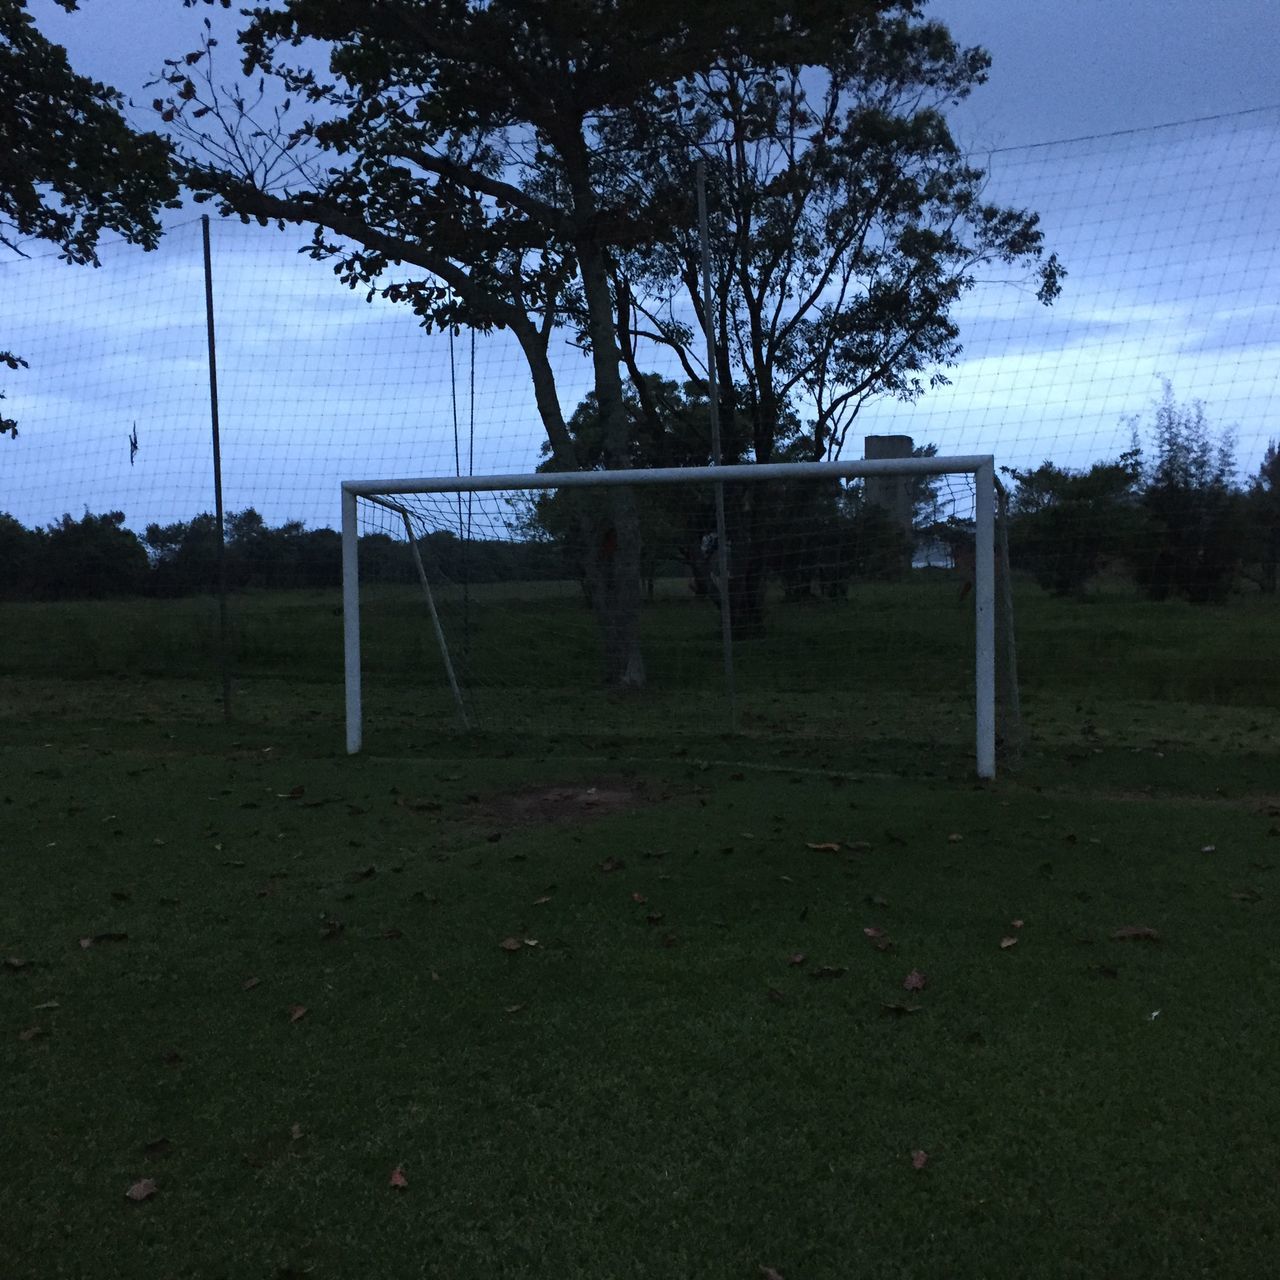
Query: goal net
x=836, y=611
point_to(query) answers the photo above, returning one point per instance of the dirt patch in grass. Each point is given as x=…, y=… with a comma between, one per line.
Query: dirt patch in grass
x=536, y=806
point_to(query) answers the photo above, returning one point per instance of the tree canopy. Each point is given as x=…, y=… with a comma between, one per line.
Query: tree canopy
x=527, y=164
x=71, y=167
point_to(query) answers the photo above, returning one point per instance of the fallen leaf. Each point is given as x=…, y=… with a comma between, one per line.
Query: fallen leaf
x=612, y=864
x=639, y=897
x=512, y=1008
x=919, y=1159
x=797, y=959
x=874, y=931
x=542, y=901
x=48, y=1004
x=1016, y=924
x=398, y=1180
x=1247, y=895
x=32, y=1033
x=1006, y=943
x=86, y=943
x=249, y=983
x=914, y=981
x=1136, y=933
x=16, y=962
x=769, y=1273
x=141, y=1190
x=898, y=1009
x=828, y=971
x=1209, y=848
x=529, y=942
x=954, y=838
x=297, y=1012
x=826, y=846
x=295, y=1132
x=511, y=944
x=859, y=846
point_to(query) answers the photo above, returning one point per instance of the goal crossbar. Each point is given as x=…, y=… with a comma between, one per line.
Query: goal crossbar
x=980, y=466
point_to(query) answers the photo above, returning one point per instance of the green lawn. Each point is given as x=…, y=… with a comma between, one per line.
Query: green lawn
x=660, y=1086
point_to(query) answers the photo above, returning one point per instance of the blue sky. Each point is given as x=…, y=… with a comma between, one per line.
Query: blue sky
x=1170, y=236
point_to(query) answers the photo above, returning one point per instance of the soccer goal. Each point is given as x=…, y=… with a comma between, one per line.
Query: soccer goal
x=824, y=603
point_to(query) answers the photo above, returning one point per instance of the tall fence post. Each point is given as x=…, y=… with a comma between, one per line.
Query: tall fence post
x=351, y=620
x=984, y=594
x=713, y=409
x=224, y=644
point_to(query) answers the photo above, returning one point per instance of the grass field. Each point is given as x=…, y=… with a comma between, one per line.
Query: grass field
x=264, y=977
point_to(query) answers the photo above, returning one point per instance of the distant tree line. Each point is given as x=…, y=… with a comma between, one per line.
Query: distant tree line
x=98, y=556
x=1170, y=515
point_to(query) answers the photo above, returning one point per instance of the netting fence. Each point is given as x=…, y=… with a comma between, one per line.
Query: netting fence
x=1166, y=336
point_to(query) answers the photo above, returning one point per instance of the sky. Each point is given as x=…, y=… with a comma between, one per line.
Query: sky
x=1169, y=231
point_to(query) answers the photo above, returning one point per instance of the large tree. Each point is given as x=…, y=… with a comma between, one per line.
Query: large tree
x=847, y=223
x=527, y=163
x=70, y=165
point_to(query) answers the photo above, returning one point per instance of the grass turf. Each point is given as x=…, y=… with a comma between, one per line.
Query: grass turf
x=632, y=1096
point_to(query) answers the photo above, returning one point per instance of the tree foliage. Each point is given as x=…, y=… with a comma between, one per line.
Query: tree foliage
x=70, y=165
x=527, y=164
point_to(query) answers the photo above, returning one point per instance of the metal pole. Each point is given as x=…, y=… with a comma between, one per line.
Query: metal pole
x=1010, y=698
x=984, y=594
x=224, y=654
x=713, y=409
x=351, y=620
x=435, y=620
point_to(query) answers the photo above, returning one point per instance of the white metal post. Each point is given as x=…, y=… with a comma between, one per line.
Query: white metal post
x=984, y=593
x=351, y=618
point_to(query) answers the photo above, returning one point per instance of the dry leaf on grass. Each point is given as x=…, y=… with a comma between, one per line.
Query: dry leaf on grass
x=824, y=846
x=874, y=931
x=639, y=898
x=914, y=981
x=797, y=959
x=769, y=1273
x=249, y=983
x=1006, y=943
x=32, y=1033
x=398, y=1180
x=295, y=1132
x=141, y=1190
x=613, y=864
x=16, y=963
x=297, y=1012
x=1136, y=933
x=919, y=1159
x=511, y=944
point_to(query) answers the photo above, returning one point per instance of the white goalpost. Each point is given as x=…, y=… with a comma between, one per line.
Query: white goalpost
x=433, y=507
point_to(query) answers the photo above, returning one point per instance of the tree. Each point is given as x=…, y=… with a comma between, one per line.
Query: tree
x=92, y=557
x=1264, y=517
x=70, y=166
x=1066, y=525
x=848, y=225
x=529, y=162
x=1195, y=513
